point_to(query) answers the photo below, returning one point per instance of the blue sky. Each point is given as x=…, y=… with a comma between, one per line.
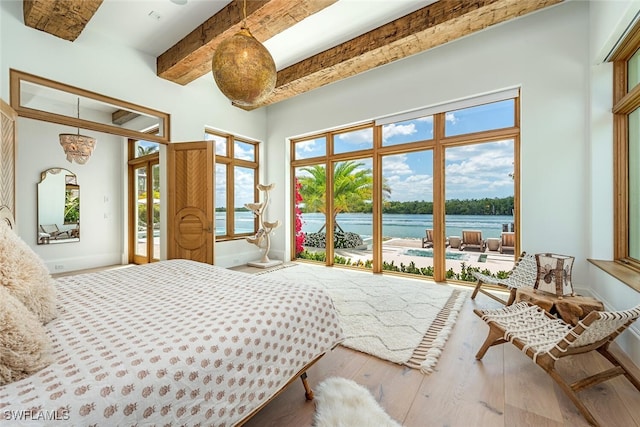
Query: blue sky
x=472, y=171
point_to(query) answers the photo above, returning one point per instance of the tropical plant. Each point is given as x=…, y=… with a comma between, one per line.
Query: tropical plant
x=352, y=185
x=71, y=207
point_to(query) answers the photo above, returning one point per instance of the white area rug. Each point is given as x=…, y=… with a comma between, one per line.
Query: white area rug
x=344, y=403
x=406, y=321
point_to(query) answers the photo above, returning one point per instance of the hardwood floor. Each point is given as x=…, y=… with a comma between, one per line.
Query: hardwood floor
x=504, y=389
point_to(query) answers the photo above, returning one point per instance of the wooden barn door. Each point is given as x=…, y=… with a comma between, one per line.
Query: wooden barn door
x=190, y=208
x=8, y=157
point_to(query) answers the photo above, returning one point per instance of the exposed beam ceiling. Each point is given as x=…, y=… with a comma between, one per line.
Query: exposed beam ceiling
x=62, y=18
x=190, y=58
x=426, y=28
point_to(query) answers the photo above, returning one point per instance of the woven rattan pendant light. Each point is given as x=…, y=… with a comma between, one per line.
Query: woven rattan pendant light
x=77, y=147
x=243, y=68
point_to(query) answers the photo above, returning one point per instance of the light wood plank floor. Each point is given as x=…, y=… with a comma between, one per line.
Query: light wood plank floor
x=504, y=389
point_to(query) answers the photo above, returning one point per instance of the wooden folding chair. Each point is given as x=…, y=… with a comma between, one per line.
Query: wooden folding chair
x=546, y=339
x=523, y=274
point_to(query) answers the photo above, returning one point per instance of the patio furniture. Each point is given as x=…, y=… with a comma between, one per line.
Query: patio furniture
x=507, y=241
x=523, y=275
x=427, y=241
x=545, y=339
x=472, y=239
x=53, y=231
x=493, y=244
x=454, y=242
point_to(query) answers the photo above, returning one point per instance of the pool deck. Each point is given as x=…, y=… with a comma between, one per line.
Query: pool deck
x=395, y=250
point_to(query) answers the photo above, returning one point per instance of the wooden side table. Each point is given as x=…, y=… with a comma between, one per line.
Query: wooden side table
x=568, y=308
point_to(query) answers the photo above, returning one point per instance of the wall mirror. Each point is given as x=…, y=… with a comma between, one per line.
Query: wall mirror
x=58, y=207
x=47, y=100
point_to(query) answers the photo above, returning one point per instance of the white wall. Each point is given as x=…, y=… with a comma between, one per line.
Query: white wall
x=101, y=201
x=102, y=66
x=608, y=20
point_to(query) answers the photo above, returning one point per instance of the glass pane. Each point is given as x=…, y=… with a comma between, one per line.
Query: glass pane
x=141, y=211
x=220, y=142
x=310, y=219
x=221, y=199
x=310, y=148
x=479, y=190
x=407, y=212
x=352, y=203
x=244, y=151
x=144, y=148
x=408, y=131
x=633, y=67
x=155, y=172
x=634, y=185
x=353, y=141
x=243, y=191
x=496, y=115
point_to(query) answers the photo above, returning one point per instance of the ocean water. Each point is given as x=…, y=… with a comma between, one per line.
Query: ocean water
x=393, y=225
x=411, y=226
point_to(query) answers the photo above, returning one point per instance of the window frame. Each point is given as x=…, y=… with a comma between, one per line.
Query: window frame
x=625, y=102
x=231, y=163
x=438, y=143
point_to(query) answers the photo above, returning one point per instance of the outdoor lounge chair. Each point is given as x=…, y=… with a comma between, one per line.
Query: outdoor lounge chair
x=523, y=274
x=472, y=239
x=54, y=232
x=427, y=241
x=507, y=241
x=545, y=339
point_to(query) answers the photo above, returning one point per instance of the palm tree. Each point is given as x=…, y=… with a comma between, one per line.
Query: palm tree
x=352, y=184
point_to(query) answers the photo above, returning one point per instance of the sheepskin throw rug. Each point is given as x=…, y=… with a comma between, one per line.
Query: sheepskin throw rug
x=341, y=402
x=25, y=276
x=403, y=320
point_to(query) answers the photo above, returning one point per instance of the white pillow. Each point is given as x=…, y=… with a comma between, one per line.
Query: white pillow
x=25, y=276
x=25, y=347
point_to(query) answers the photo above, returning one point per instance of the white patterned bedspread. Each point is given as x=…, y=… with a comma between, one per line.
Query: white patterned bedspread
x=171, y=343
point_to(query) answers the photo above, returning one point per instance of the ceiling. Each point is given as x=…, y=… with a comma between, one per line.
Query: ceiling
x=313, y=42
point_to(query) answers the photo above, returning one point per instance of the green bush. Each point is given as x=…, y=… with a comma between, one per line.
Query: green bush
x=465, y=274
x=341, y=240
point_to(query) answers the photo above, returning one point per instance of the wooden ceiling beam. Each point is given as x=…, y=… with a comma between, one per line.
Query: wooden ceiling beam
x=190, y=58
x=62, y=18
x=120, y=117
x=426, y=28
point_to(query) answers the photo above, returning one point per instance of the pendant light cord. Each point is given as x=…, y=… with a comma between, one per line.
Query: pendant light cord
x=78, y=114
x=244, y=14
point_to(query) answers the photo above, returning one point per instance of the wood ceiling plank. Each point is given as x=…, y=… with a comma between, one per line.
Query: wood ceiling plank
x=426, y=28
x=62, y=18
x=190, y=58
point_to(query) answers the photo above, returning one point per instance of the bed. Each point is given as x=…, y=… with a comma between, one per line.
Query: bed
x=172, y=343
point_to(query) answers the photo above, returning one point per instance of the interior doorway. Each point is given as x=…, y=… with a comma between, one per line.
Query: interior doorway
x=144, y=202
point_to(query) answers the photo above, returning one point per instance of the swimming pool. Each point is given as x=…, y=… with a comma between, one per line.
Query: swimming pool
x=457, y=256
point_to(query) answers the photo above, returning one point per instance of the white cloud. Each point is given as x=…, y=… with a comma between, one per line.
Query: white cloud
x=389, y=131
x=356, y=137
